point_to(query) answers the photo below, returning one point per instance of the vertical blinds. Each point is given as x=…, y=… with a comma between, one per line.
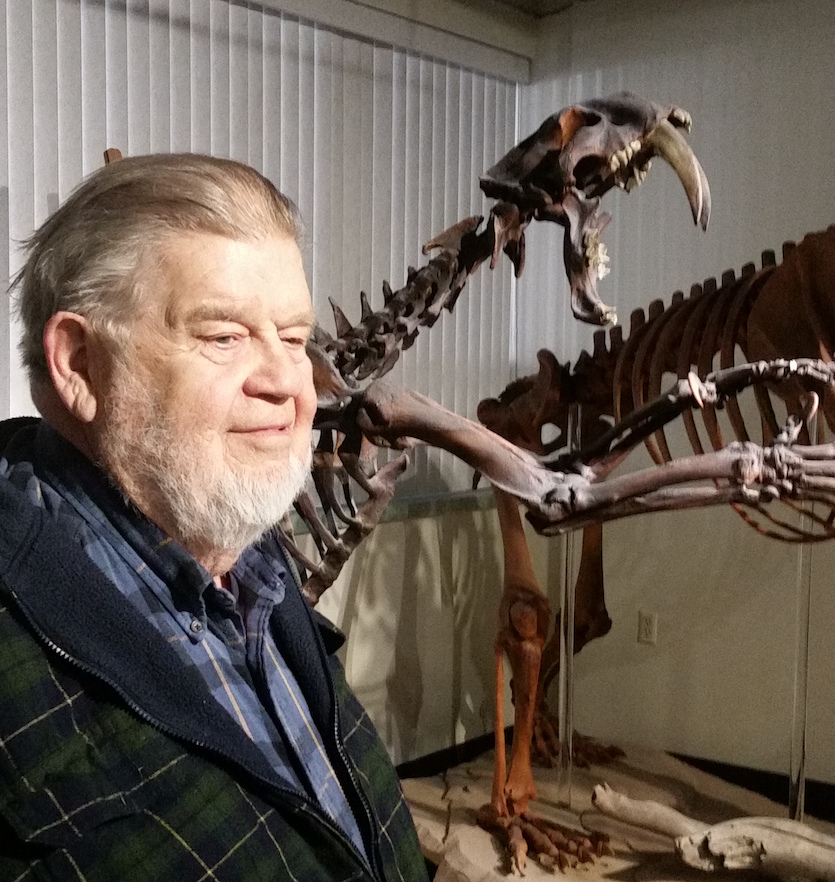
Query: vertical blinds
x=380, y=148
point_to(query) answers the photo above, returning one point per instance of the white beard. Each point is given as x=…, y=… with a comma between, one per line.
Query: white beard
x=205, y=504
x=225, y=510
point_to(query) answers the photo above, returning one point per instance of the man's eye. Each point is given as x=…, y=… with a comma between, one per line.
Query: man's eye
x=295, y=341
x=224, y=341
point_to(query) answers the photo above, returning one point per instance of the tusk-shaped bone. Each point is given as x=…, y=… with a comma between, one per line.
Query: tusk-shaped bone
x=669, y=144
x=683, y=118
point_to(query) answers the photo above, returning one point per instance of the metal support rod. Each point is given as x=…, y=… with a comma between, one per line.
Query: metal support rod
x=803, y=613
x=566, y=672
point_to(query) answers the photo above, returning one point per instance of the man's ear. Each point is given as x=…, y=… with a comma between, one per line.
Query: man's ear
x=71, y=356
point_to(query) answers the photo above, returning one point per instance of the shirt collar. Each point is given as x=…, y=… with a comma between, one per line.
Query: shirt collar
x=95, y=497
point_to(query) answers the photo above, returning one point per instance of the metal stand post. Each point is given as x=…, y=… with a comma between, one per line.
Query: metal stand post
x=803, y=612
x=566, y=673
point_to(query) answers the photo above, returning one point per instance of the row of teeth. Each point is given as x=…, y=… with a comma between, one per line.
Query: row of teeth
x=596, y=255
x=636, y=175
x=628, y=176
x=622, y=158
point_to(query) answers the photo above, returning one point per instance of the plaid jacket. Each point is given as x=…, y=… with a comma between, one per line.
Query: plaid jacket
x=115, y=764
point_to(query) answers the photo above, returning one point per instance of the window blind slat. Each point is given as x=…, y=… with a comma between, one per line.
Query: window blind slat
x=255, y=88
x=45, y=106
x=271, y=69
x=303, y=133
x=138, y=75
x=69, y=96
x=219, y=48
x=118, y=89
x=326, y=126
x=236, y=91
x=382, y=114
x=159, y=71
x=93, y=75
x=179, y=67
x=200, y=27
x=365, y=98
x=21, y=171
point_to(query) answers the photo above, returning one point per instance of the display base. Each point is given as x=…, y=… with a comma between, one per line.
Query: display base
x=444, y=808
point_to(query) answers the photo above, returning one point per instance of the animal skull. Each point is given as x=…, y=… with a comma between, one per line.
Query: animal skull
x=561, y=172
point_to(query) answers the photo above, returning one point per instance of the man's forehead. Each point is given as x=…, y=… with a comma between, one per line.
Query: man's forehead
x=209, y=277
x=198, y=252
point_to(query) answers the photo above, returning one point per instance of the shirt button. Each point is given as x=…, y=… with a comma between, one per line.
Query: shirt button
x=196, y=626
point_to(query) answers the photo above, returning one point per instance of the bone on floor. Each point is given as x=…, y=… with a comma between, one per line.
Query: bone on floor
x=444, y=808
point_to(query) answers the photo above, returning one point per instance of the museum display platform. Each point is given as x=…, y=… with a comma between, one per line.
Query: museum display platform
x=445, y=805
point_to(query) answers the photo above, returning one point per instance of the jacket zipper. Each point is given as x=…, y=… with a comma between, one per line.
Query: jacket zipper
x=372, y=858
x=297, y=800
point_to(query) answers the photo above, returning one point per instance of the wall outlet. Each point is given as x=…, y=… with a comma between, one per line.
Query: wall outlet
x=647, y=627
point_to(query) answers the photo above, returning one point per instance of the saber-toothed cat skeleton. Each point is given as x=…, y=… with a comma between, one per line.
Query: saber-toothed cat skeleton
x=560, y=174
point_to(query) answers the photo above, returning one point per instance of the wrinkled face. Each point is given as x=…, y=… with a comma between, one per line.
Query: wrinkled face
x=208, y=424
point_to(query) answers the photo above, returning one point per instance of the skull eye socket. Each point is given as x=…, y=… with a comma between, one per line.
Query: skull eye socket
x=588, y=174
x=620, y=117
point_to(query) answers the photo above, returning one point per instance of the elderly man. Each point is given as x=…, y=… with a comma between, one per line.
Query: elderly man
x=170, y=709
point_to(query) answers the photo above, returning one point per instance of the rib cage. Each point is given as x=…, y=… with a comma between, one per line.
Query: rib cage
x=622, y=374
x=685, y=336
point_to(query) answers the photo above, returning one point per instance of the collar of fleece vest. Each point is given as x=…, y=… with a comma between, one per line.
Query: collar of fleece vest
x=67, y=600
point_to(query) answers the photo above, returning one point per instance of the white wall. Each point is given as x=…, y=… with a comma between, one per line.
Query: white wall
x=757, y=77
x=419, y=604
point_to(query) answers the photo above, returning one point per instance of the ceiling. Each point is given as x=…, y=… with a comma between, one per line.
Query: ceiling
x=532, y=8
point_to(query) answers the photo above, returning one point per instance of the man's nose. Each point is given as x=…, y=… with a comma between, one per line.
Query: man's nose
x=280, y=371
